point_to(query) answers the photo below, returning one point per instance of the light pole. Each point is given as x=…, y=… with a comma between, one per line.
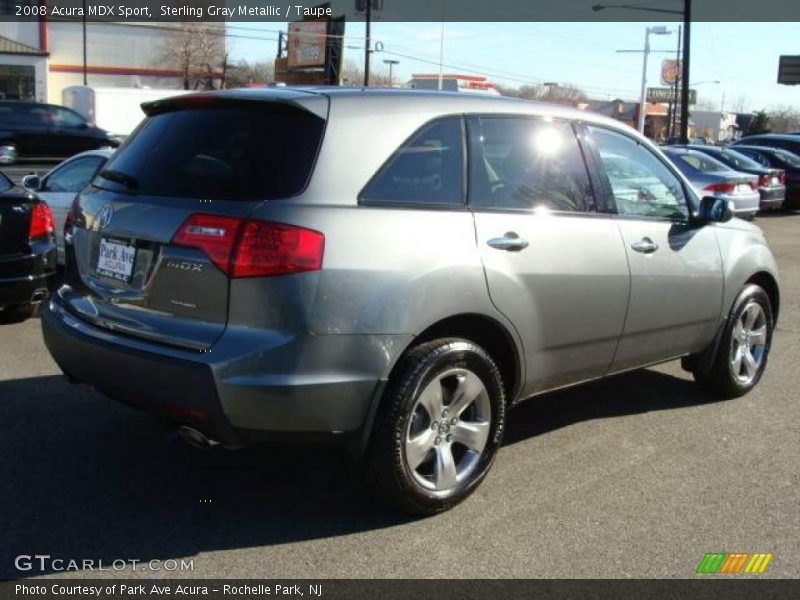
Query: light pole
x=391, y=64
x=441, y=51
x=687, y=34
x=660, y=30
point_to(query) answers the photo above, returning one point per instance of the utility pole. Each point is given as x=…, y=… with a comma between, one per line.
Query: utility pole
x=391, y=64
x=368, y=14
x=85, y=68
x=687, y=37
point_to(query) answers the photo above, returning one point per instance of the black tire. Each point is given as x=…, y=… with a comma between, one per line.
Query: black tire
x=17, y=313
x=430, y=364
x=721, y=380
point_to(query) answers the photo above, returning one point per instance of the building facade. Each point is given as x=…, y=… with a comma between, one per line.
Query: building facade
x=39, y=59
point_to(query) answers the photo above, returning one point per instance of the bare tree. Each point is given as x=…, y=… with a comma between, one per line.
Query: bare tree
x=784, y=119
x=197, y=50
x=245, y=72
x=557, y=94
x=353, y=74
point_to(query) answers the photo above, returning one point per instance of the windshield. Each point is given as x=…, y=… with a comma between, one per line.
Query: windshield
x=241, y=152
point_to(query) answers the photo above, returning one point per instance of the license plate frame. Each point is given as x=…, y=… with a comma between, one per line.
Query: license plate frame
x=116, y=259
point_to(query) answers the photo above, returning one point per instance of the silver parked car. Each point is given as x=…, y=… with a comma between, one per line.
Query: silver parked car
x=395, y=269
x=61, y=185
x=710, y=177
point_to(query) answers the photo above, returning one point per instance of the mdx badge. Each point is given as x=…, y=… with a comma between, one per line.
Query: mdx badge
x=185, y=265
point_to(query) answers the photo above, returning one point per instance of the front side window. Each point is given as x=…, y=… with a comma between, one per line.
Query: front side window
x=428, y=169
x=641, y=184
x=74, y=176
x=61, y=117
x=522, y=163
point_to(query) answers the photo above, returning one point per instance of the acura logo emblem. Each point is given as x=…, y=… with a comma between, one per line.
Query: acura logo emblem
x=105, y=215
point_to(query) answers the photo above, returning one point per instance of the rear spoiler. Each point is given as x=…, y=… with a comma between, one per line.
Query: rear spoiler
x=316, y=104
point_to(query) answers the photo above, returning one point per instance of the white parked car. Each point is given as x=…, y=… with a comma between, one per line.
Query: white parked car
x=60, y=186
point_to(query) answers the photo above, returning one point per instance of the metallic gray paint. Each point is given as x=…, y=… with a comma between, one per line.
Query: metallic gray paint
x=311, y=352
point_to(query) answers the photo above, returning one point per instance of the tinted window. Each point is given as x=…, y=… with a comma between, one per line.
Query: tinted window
x=5, y=183
x=427, y=169
x=73, y=176
x=248, y=151
x=641, y=183
x=525, y=163
x=61, y=117
x=737, y=160
x=788, y=157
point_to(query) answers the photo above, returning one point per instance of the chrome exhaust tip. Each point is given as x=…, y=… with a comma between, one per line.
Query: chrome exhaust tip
x=196, y=438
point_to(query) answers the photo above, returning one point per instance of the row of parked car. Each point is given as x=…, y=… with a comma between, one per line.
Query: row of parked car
x=760, y=172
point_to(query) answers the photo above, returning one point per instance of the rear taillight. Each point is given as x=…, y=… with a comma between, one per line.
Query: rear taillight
x=252, y=248
x=782, y=177
x=720, y=188
x=214, y=235
x=276, y=249
x=41, y=225
x=763, y=181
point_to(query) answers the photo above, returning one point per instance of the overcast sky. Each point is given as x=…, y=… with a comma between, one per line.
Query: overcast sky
x=743, y=57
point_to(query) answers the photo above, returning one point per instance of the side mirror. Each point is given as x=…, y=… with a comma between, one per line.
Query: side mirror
x=32, y=182
x=716, y=210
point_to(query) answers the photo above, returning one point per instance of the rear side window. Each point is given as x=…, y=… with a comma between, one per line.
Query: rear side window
x=524, y=163
x=245, y=151
x=428, y=169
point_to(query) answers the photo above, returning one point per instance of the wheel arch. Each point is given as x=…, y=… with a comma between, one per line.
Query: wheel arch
x=487, y=332
x=769, y=284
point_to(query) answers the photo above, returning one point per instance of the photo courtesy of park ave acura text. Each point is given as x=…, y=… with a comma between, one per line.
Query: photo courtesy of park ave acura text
x=399, y=298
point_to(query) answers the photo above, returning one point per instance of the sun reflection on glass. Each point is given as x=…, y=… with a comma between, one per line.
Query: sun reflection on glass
x=548, y=141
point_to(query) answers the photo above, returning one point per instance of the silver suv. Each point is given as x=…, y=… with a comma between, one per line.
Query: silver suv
x=395, y=269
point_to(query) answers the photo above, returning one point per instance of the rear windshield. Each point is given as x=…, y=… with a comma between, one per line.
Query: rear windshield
x=740, y=160
x=789, y=158
x=702, y=163
x=248, y=151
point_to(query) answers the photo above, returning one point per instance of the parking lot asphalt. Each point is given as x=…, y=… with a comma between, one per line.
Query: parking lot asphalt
x=636, y=476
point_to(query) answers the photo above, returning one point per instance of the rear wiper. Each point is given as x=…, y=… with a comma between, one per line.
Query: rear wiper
x=120, y=177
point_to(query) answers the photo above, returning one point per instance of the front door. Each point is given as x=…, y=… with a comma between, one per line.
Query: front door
x=676, y=267
x=554, y=266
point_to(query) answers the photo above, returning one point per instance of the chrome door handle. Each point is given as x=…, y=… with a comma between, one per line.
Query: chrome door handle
x=510, y=241
x=645, y=246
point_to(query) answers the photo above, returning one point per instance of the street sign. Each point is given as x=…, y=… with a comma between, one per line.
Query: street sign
x=670, y=71
x=668, y=94
x=789, y=70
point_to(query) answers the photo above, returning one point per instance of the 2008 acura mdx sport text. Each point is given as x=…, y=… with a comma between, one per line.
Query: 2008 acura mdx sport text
x=396, y=269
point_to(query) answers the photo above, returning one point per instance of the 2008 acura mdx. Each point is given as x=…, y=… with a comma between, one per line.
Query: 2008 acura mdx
x=396, y=269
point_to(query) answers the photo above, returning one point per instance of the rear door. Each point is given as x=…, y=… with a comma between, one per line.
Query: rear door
x=195, y=169
x=676, y=267
x=554, y=265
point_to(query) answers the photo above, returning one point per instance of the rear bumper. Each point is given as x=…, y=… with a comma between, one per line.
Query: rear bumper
x=772, y=197
x=322, y=385
x=745, y=204
x=27, y=278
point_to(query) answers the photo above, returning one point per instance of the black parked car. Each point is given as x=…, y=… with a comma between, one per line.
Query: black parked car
x=46, y=131
x=784, y=141
x=771, y=181
x=778, y=159
x=27, y=251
